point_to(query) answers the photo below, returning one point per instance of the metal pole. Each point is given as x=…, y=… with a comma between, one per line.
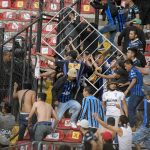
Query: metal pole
x=11, y=73
x=1, y=62
x=25, y=54
x=29, y=51
x=97, y=17
x=78, y=10
x=39, y=34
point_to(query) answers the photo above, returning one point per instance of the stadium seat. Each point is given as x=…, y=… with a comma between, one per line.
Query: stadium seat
x=9, y=15
x=147, y=49
x=58, y=136
x=50, y=28
x=26, y=147
x=4, y=4
x=52, y=7
x=64, y=124
x=24, y=16
x=147, y=57
x=47, y=51
x=34, y=5
x=13, y=27
x=73, y=136
x=34, y=28
x=87, y=9
x=19, y=4
x=52, y=41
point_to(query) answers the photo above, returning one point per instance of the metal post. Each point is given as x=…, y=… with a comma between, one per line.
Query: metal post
x=78, y=10
x=29, y=51
x=60, y=27
x=11, y=72
x=25, y=54
x=1, y=61
x=97, y=17
x=1, y=47
x=39, y=32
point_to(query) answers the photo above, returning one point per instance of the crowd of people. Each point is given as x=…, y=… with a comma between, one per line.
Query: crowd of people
x=110, y=119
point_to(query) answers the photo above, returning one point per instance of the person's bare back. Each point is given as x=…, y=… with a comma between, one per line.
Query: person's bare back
x=29, y=99
x=44, y=111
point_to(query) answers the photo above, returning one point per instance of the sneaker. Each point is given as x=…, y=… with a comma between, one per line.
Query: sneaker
x=73, y=125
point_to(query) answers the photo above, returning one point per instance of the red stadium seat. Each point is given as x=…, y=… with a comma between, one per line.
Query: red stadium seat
x=34, y=28
x=87, y=9
x=19, y=4
x=47, y=51
x=52, y=7
x=147, y=57
x=147, y=49
x=52, y=41
x=64, y=124
x=24, y=16
x=34, y=5
x=4, y=4
x=73, y=136
x=85, y=2
x=9, y=15
x=26, y=147
x=14, y=27
x=58, y=136
x=50, y=28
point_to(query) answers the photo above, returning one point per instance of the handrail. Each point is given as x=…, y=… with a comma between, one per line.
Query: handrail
x=21, y=31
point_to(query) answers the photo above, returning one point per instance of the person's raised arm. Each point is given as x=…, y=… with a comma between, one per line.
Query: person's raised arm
x=105, y=125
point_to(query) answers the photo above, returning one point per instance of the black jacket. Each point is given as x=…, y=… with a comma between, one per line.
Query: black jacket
x=58, y=88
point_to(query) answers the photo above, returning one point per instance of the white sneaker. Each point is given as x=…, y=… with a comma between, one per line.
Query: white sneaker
x=73, y=125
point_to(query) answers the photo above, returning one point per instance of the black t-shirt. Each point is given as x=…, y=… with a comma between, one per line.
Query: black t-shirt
x=122, y=79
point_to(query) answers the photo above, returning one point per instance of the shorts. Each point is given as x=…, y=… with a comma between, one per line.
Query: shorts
x=142, y=135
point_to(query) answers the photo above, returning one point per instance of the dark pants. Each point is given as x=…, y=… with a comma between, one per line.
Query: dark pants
x=23, y=124
x=41, y=130
x=134, y=101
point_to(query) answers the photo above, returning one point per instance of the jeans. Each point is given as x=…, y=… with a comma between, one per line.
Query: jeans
x=23, y=123
x=142, y=135
x=111, y=29
x=133, y=102
x=72, y=105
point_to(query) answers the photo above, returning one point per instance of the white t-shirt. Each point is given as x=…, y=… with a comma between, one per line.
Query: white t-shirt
x=112, y=98
x=125, y=141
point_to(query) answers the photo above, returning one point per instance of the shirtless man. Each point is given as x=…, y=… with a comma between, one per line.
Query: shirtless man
x=26, y=99
x=44, y=113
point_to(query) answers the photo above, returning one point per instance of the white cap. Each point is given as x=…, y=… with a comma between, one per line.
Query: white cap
x=84, y=123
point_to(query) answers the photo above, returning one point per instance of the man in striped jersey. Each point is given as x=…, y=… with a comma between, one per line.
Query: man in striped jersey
x=135, y=88
x=90, y=104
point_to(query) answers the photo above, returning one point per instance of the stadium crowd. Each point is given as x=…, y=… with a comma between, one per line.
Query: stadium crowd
x=119, y=114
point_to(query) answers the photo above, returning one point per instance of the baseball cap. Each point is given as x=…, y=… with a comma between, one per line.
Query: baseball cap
x=137, y=21
x=84, y=123
x=72, y=73
x=106, y=136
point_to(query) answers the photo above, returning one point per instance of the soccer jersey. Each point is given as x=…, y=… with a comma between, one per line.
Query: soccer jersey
x=112, y=98
x=137, y=88
x=133, y=10
x=90, y=105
